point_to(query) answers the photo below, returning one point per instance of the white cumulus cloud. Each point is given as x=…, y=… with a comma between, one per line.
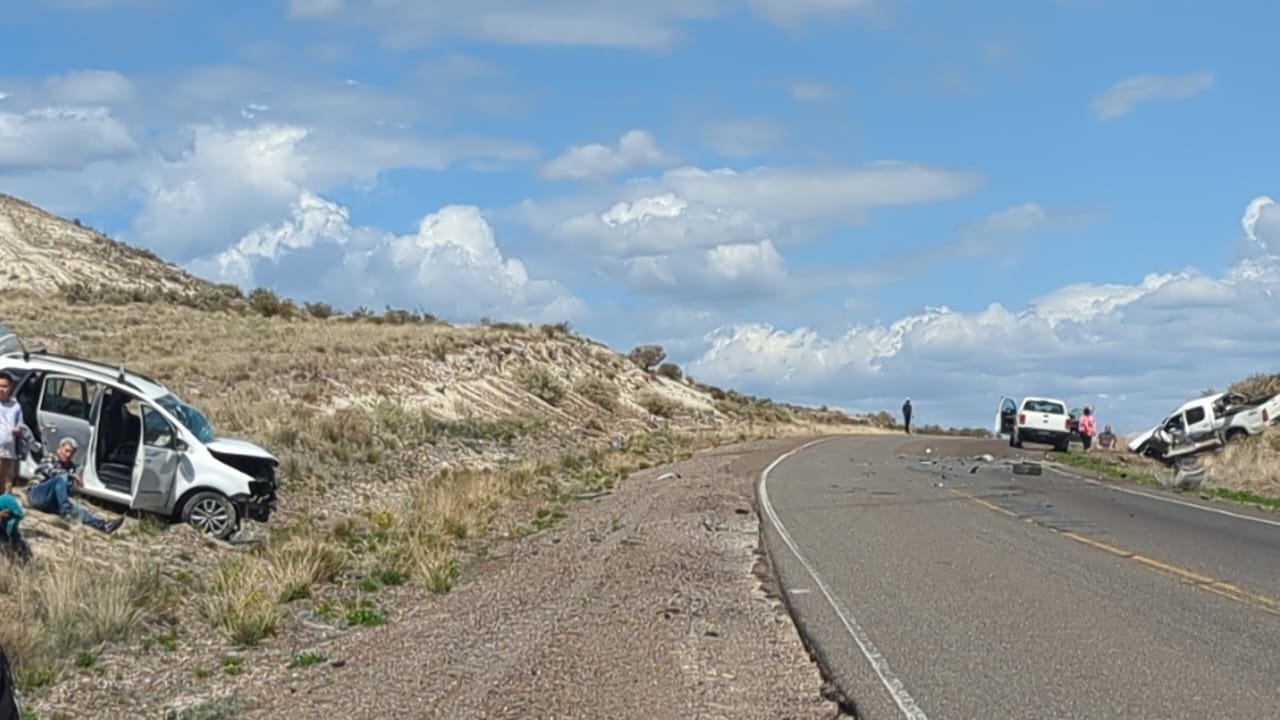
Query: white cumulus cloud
x=635, y=149
x=450, y=265
x=90, y=87
x=1122, y=97
x=61, y=138
x=1134, y=350
x=715, y=234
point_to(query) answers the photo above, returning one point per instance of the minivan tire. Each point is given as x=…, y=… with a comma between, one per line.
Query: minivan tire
x=211, y=512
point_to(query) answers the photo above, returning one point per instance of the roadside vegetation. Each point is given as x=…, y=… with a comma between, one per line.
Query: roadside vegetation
x=1122, y=466
x=409, y=446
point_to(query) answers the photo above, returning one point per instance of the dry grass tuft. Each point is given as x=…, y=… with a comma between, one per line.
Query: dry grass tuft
x=1258, y=384
x=55, y=609
x=1249, y=465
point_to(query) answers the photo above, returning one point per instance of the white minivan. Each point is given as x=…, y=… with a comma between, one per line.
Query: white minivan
x=140, y=445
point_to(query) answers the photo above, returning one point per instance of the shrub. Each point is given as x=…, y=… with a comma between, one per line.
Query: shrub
x=660, y=405
x=647, y=356
x=599, y=391
x=540, y=383
x=670, y=370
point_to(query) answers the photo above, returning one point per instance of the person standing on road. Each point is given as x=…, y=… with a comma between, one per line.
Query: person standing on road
x=906, y=415
x=1087, y=428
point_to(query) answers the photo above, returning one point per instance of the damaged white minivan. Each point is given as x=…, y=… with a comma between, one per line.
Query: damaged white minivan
x=139, y=444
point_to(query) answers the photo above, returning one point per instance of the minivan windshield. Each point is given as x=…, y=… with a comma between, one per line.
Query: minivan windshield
x=190, y=416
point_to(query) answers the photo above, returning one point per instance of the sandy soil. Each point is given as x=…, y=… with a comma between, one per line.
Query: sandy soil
x=647, y=603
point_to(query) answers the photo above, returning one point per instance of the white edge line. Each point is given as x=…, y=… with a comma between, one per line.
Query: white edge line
x=1174, y=501
x=878, y=663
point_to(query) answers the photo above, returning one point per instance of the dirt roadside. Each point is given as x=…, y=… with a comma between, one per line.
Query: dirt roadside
x=640, y=604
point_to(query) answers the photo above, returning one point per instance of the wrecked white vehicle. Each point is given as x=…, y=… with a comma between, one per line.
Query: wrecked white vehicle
x=1207, y=423
x=139, y=444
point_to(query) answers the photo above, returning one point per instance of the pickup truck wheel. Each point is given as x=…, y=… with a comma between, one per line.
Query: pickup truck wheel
x=1235, y=434
x=211, y=512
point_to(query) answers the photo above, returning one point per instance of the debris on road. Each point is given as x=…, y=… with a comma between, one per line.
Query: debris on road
x=1027, y=468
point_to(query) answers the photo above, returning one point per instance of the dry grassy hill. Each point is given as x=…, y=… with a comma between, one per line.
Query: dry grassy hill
x=40, y=251
x=1250, y=469
x=408, y=446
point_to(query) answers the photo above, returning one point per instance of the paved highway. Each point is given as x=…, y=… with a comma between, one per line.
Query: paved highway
x=932, y=592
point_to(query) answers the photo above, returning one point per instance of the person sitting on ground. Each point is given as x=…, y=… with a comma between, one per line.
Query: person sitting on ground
x=1107, y=439
x=50, y=488
x=11, y=514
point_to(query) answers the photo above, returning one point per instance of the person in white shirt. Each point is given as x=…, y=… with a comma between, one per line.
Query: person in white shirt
x=10, y=432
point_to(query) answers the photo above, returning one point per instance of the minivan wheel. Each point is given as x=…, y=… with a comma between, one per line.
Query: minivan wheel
x=210, y=512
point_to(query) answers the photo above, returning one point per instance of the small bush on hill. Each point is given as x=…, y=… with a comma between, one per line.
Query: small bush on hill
x=599, y=391
x=670, y=370
x=540, y=383
x=647, y=356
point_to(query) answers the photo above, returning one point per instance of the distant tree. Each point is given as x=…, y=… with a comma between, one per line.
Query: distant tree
x=670, y=370
x=647, y=356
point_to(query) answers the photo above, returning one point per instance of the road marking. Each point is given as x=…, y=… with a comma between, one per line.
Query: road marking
x=1224, y=588
x=878, y=663
x=1173, y=500
x=1105, y=547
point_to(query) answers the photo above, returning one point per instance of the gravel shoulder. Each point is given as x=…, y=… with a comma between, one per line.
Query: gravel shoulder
x=649, y=602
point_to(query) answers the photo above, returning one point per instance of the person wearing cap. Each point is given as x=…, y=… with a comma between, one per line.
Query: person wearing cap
x=51, y=487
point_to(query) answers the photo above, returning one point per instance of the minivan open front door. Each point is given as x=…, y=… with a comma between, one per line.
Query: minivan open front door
x=1006, y=417
x=159, y=461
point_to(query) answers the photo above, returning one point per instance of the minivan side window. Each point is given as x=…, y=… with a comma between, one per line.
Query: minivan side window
x=67, y=396
x=156, y=431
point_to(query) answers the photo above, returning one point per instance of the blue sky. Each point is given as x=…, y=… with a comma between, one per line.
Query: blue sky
x=831, y=201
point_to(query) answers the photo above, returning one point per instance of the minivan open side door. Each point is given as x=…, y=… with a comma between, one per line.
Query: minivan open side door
x=159, y=460
x=1006, y=416
x=64, y=411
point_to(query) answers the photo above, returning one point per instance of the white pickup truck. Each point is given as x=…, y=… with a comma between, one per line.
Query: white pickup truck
x=1207, y=423
x=1035, y=419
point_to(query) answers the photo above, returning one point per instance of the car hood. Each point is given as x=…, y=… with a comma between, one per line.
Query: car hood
x=1141, y=438
x=231, y=446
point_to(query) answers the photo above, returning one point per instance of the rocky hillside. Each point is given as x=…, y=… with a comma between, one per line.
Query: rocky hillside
x=449, y=372
x=40, y=251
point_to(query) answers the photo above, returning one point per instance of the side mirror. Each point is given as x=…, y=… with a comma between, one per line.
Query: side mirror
x=180, y=445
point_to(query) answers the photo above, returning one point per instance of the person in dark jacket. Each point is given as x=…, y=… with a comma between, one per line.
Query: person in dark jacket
x=906, y=415
x=9, y=709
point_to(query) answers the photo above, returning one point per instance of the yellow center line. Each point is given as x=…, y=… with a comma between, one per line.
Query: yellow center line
x=1222, y=588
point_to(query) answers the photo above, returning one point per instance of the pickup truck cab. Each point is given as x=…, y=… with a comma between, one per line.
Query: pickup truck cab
x=1207, y=423
x=1035, y=419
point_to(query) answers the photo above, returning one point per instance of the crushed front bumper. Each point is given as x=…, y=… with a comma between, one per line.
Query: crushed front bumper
x=257, y=508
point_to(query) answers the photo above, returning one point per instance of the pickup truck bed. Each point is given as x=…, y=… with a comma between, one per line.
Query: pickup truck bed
x=1042, y=420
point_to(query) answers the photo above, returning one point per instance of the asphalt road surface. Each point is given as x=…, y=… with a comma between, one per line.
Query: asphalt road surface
x=929, y=591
